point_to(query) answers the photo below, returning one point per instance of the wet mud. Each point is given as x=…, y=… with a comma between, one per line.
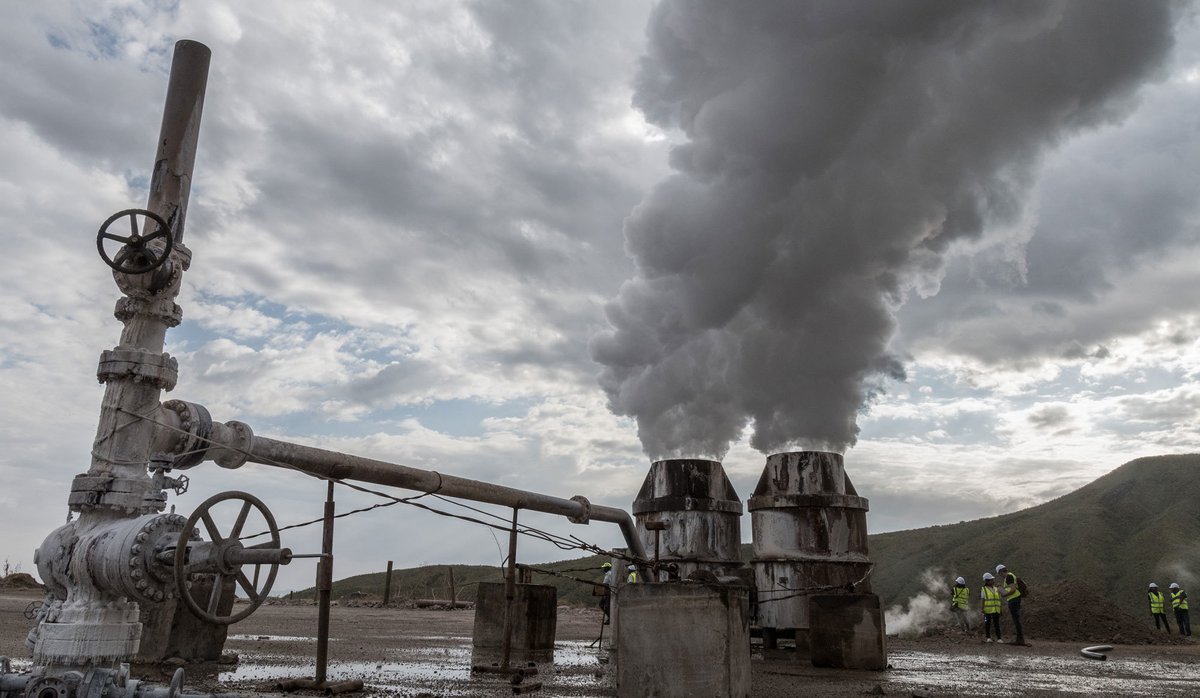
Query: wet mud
x=399, y=652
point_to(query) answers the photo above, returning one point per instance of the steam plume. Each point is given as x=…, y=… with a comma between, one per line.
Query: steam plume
x=930, y=607
x=834, y=151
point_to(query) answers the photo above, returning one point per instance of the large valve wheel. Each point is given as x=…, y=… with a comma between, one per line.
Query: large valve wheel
x=224, y=556
x=137, y=254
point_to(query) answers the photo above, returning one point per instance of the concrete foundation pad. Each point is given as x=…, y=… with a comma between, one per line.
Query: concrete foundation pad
x=681, y=639
x=847, y=632
x=534, y=620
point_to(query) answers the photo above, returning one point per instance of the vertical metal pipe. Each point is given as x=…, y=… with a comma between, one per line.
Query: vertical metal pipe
x=171, y=182
x=453, y=593
x=325, y=589
x=387, y=585
x=122, y=447
x=510, y=593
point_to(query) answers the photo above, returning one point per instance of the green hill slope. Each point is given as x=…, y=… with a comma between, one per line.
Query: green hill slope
x=1137, y=524
x=433, y=581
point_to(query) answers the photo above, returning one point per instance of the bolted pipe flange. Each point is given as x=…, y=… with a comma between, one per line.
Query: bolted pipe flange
x=190, y=449
x=160, y=370
x=123, y=494
x=163, y=310
x=125, y=561
x=47, y=687
x=238, y=439
x=585, y=515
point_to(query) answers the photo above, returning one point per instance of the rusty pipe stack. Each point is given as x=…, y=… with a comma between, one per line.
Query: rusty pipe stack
x=697, y=513
x=810, y=531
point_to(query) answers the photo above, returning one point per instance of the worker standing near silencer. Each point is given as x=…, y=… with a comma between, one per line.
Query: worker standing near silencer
x=959, y=602
x=1010, y=588
x=989, y=599
x=1157, y=606
x=606, y=597
x=1179, y=603
x=633, y=577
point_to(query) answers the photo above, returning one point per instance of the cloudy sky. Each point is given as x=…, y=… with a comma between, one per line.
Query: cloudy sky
x=534, y=243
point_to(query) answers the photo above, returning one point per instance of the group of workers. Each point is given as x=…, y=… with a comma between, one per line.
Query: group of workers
x=992, y=599
x=631, y=577
x=1179, y=603
x=1010, y=590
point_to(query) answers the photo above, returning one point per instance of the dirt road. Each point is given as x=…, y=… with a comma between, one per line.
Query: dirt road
x=427, y=653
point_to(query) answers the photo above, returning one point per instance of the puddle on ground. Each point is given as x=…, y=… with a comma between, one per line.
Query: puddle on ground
x=570, y=654
x=1021, y=675
x=445, y=669
x=274, y=638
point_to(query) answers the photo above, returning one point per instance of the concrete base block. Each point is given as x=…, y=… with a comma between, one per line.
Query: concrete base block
x=682, y=639
x=169, y=629
x=534, y=623
x=847, y=632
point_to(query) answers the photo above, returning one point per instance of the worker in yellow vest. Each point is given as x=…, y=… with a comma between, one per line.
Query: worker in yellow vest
x=1157, y=607
x=1010, y=589
x=989, y=600
x=632, y=578
x=1179, y=603
x=959, y=595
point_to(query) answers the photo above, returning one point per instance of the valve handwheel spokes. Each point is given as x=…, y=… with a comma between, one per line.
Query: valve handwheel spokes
x=225, y=557
x=137, y=254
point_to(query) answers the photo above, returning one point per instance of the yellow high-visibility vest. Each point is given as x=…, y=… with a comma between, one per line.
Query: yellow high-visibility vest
x=1179, y=600
x=959, y=599
x=1156, y=601
x=991, y=600
x=1010, y=581
x=632, y=578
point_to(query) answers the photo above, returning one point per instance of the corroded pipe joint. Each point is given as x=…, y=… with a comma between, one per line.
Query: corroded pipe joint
x=123, y=559
x=585, y=513
x=188, y=449
x=129, y=495
x=161, y=283
x=164, y=310
x=236, y=439
x=140, y=365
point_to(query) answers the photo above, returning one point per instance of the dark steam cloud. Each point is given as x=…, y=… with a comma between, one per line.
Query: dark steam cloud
x=834, y=151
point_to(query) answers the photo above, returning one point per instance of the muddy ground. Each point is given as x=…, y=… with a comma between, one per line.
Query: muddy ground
x=427, y=653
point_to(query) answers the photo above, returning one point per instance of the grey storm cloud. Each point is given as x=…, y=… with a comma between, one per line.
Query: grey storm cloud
x=1050, y=417
x=834, y=152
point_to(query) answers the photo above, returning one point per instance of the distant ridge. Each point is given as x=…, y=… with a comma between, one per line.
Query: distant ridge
x=1137, y=524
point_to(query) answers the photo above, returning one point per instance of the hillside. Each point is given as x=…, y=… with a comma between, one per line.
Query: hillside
x=432, y=581
x=1134, y=525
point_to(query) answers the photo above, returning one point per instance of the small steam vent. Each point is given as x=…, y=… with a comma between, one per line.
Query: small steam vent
x=810, y=531
x=697, y=513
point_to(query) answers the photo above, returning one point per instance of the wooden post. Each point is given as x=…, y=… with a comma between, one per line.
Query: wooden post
x=387, y=585
x=510, y=593
x=453, y=595
x=325, y=589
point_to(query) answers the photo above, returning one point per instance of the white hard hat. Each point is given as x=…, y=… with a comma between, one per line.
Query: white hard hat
x=960, y=580
x=987, y=576
x=1174, y=585
x=631, y=568
x=1000, y=567
x=1153, y=585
